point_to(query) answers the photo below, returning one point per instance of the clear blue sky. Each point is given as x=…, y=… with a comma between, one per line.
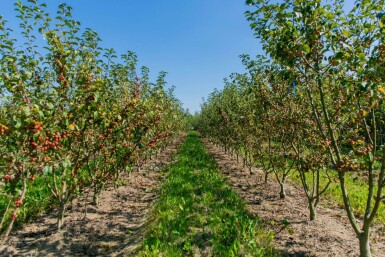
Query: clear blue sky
x=198, y=42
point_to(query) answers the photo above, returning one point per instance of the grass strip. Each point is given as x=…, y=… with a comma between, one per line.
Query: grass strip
x=358, y=191
x=198, y=214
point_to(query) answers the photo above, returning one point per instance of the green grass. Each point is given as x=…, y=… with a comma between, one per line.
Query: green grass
x=357, y=190
x=38, y=199
x=197, y=213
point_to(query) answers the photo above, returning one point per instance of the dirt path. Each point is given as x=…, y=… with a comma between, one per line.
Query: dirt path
x=116, y=225
x=329, y=235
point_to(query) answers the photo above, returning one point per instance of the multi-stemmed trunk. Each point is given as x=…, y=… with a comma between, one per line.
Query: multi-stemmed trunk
x=62, y=194
x=312, y=209
x=363, y=238
x=313, y=189
x=61, y=214
x=281, y=175
x=335, y=156
x=96, y=196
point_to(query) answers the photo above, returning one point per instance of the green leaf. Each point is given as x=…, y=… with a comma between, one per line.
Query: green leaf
x=28, y=73
x=41, y=114
x=362, y=57
x=36, y=136
x=334, y=25
x=339, y=55
x=360, y=71
x=16, y=123
x=306, y=47
x=66, y=163
x=50, y=106
x=47, y=170
x=346, y=33
x=26, y=110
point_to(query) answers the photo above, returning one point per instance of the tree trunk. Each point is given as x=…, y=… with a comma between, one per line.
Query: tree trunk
x=282, y=193
x=95, y=200
x=266, y=177
x=97, y=190
x=5, y=213
x=60, y=219
x=250, y=168
x=312, y=209
x=364, y=243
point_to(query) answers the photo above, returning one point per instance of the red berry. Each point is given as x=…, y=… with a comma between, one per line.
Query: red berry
x=18, y=203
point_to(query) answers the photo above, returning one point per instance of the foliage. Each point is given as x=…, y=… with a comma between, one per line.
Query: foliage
x=316, y=102
x=71, y=113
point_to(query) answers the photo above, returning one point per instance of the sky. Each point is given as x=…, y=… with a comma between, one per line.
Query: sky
x=197, y=42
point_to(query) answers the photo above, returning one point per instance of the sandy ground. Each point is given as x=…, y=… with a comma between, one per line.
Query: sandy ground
x=114, y=228
x=329, y=235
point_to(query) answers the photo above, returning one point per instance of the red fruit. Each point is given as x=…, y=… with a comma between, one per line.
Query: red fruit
x=31, y=179
x=18, y=203
x=13, y=217
x=7, y=178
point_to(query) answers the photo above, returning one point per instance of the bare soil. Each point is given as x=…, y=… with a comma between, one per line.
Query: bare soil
x=329, y=235
x=117, y=226
x=113, y=228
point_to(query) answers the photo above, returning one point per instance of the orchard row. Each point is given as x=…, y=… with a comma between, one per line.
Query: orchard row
x=314, y=105
x=71, y=113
